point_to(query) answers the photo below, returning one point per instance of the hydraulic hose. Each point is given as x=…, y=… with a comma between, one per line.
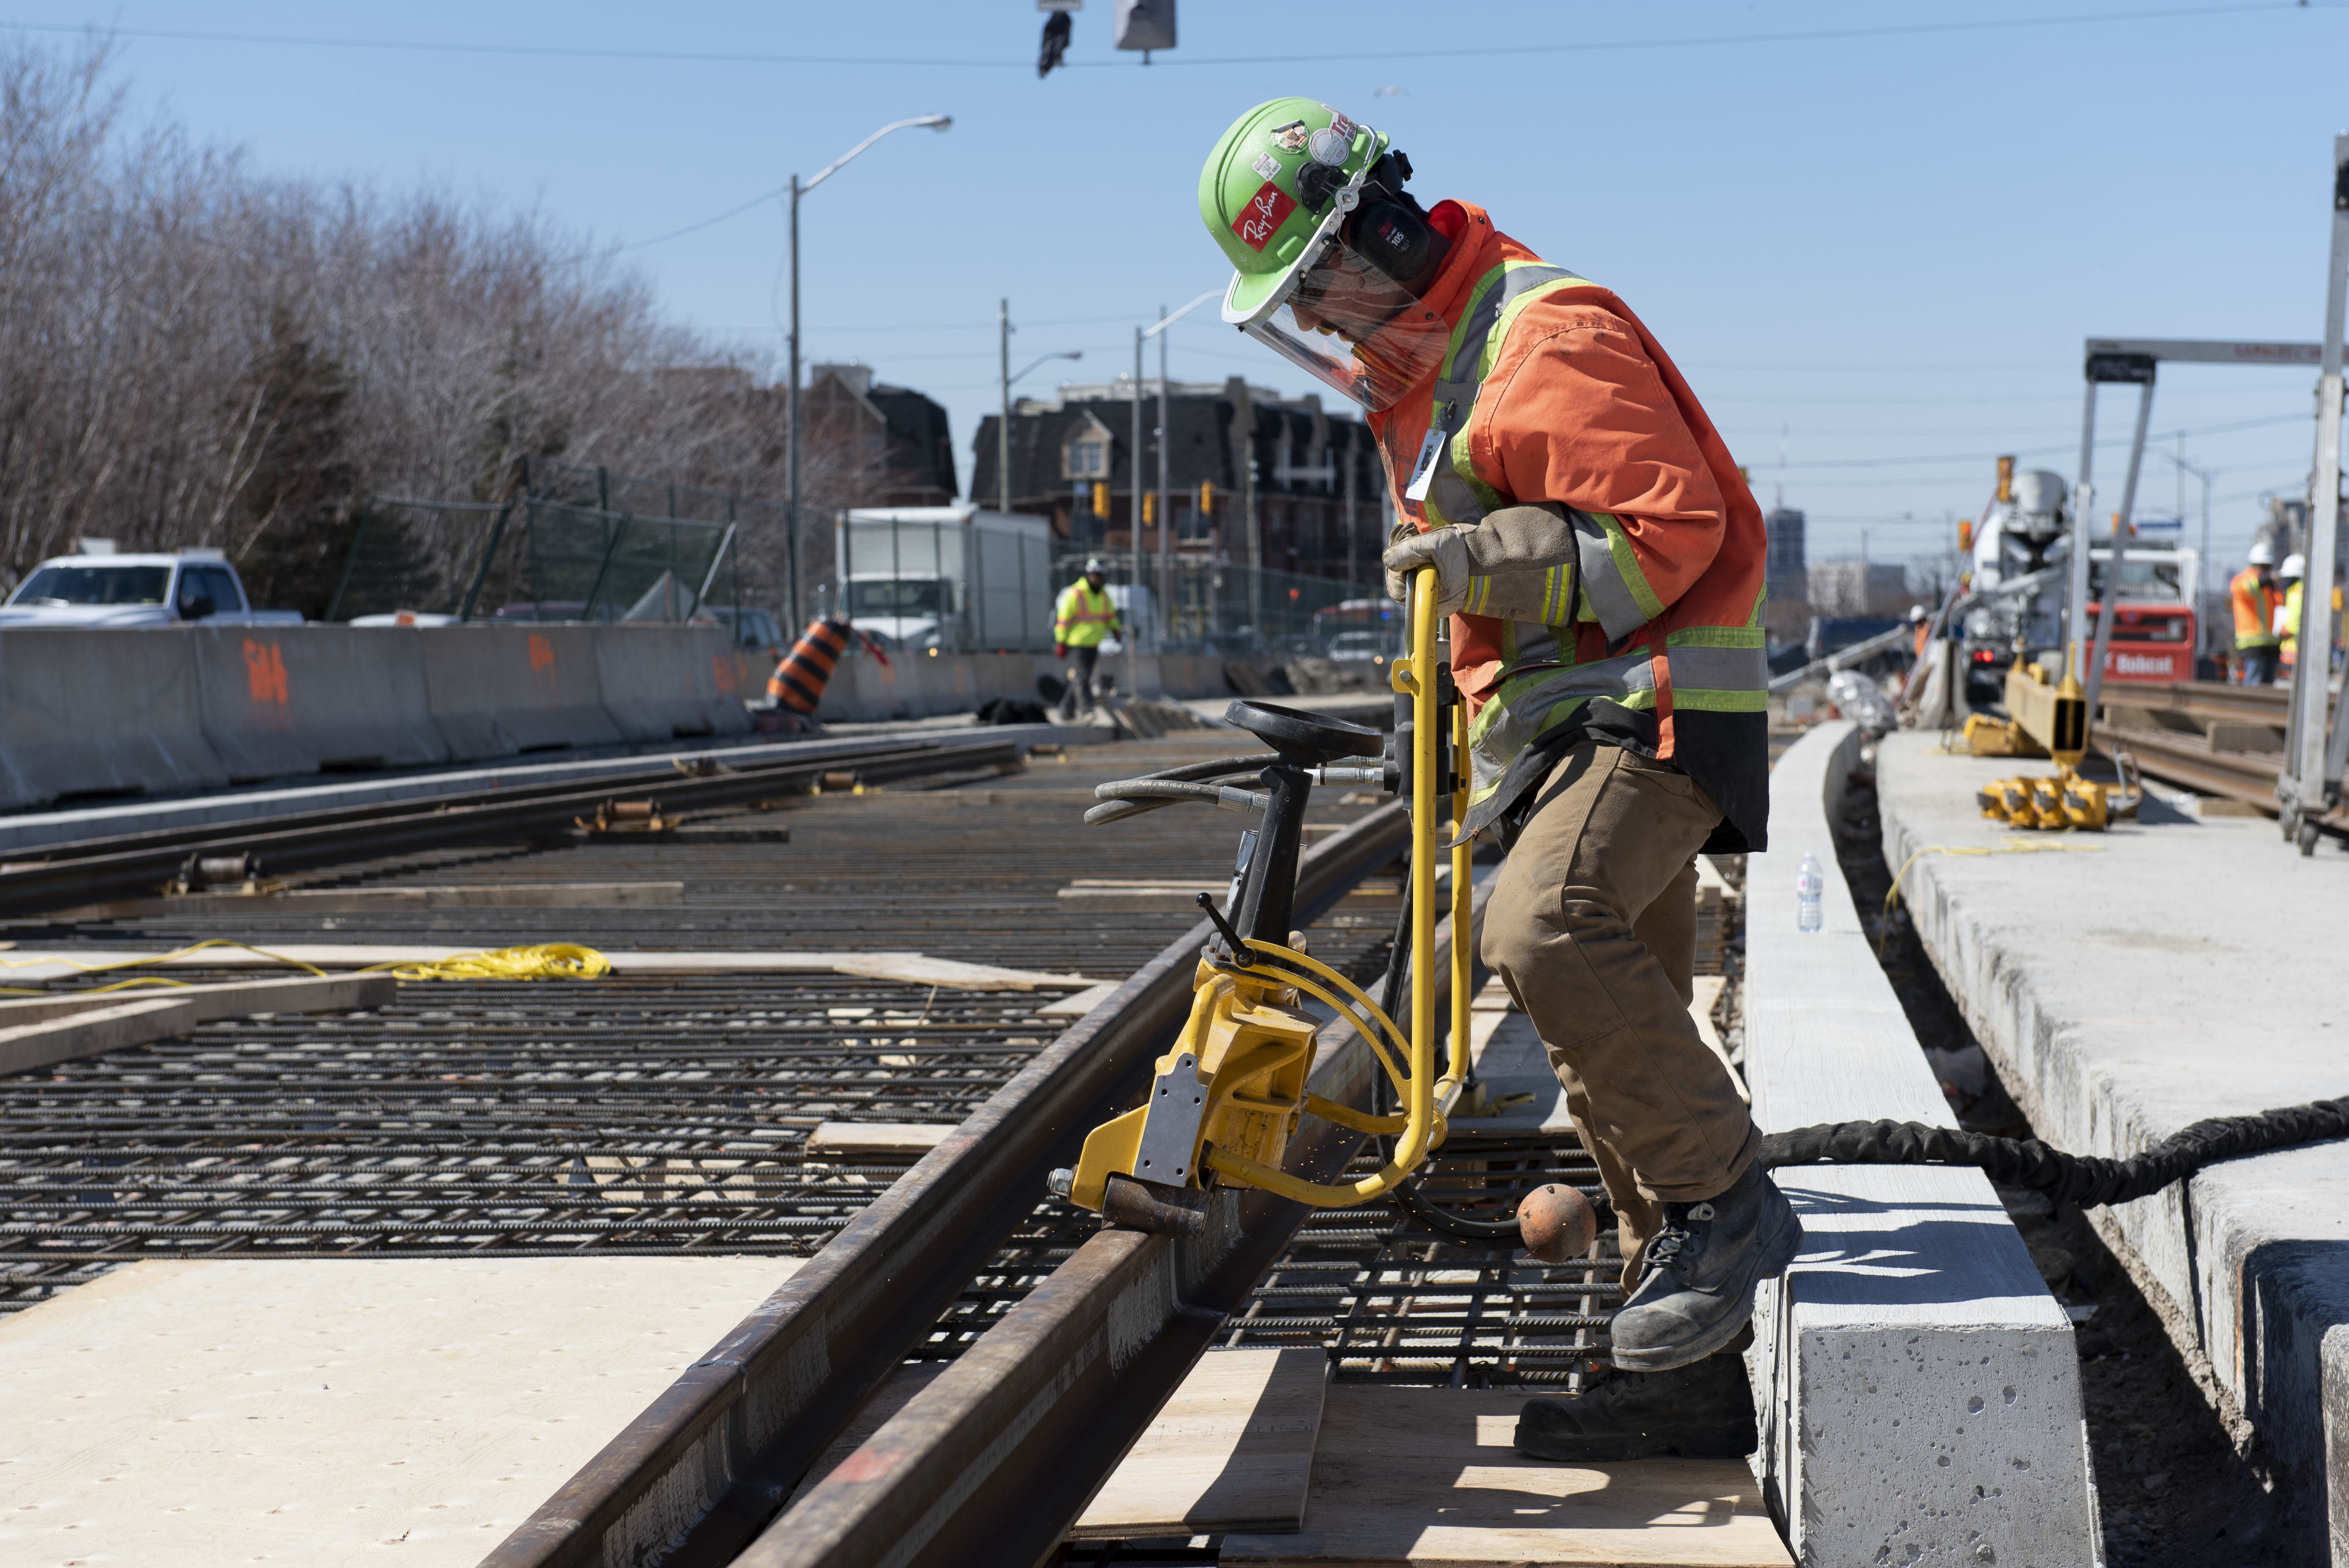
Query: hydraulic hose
x=2089, y=1180
x=1119, y=808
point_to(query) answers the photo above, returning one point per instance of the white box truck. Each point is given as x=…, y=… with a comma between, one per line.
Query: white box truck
x=955, y=578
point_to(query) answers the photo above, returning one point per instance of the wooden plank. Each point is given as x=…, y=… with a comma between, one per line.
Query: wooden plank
x=1076, y=1004
x=29, y=1046
x=912, y=967
x=878, y=1137
x=1426, y=1478
x=1232, y=1450
x=229, y=999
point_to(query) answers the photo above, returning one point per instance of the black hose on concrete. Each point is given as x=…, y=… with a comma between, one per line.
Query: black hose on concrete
x=2085, y=1179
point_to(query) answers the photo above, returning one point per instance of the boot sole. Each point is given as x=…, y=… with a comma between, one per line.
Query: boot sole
x=1665, y=1357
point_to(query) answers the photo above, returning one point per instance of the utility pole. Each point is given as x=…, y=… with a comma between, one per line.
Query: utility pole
x=792, y=417
x=1165, y=508
x=1003, y=419
x=1133, y=521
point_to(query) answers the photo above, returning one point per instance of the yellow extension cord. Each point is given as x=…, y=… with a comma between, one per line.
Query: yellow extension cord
x=542, y=961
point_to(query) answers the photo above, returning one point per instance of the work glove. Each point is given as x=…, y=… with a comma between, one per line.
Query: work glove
x=1517, y=563
x=1445, y=549
x=1060, y=650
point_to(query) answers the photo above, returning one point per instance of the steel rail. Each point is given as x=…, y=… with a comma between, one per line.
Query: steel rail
x=704, y=1469
x=2212, y=701
x=65, y=876
x=1008, y=1445
x=2247, y=776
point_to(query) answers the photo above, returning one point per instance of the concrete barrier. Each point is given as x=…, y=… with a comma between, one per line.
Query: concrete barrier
x=1917, y=1387
x=665, y=681
x=302, y=699
x=86, y=713
x=497, y=691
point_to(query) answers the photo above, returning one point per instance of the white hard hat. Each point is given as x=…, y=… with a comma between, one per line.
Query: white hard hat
x=2295, y=565
x=1093, y=563
x=2262, y=553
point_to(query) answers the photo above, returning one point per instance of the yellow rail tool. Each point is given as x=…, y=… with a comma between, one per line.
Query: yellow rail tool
x=1224, y=1101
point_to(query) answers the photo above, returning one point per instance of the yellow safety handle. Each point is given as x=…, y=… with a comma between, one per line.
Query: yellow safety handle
x=1421, y=1123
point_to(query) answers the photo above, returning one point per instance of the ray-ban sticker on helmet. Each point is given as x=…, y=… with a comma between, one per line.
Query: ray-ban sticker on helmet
x=1291, y=138
x=1264, y=215
x=1267, y=166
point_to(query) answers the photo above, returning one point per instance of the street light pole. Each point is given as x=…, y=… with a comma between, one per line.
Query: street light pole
x=1166, y=513
x=1134, y=582
x=1003, y=419
x=791, y=397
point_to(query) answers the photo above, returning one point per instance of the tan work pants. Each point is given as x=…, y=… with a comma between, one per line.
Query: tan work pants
x=1592, y=927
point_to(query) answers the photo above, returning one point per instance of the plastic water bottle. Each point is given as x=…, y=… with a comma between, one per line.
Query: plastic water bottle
x=1809, y=882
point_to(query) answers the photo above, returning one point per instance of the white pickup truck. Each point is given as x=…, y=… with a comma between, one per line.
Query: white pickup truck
x=99, y=588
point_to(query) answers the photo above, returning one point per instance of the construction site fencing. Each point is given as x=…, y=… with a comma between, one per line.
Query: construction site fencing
x=1210, y=606
x=533, y=559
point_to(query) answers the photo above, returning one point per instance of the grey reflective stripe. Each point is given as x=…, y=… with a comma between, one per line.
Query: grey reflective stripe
x=1720, y=668
x=1453, y=501
x=1619, y=613
x=1525, y=714
x=1514, y=281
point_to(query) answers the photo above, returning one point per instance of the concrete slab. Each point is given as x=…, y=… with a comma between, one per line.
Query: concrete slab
x=1917, y=1388
x=2175, y=971
x=319, y=1413
x=1427, y=1477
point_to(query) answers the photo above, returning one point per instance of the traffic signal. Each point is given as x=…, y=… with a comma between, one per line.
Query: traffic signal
x=1149, y=507
x=1100, y=498
x=1207, y=497
x=1965, y=535
x=2006, y=479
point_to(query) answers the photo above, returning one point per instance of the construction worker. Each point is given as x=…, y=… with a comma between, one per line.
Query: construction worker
x=1085, y=618
x=1601, y=561
x=2256, y=599
x=2289, y=572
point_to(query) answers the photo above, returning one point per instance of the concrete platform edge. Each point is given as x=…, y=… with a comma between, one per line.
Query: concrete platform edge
x=1916, y=1385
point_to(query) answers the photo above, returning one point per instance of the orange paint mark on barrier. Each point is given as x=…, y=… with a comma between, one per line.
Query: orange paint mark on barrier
x=722, y=667
x=264, y=671
x=542, y=653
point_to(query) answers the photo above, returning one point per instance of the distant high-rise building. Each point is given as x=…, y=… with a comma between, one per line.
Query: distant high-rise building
x=1785, y=558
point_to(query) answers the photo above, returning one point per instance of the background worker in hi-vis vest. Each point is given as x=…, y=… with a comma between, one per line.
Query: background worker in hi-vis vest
x=1084, y=619
x=1601, y=561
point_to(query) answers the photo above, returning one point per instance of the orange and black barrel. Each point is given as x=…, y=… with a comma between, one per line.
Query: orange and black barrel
x=799, y=681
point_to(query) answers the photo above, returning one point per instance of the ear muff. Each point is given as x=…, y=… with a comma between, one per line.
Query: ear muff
x=1395, y=237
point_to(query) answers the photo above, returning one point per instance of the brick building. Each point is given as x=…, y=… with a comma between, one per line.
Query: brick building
x=1254, y=477
x=895, y=439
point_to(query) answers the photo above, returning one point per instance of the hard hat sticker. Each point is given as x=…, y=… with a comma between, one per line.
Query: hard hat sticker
x=1341, y=125
x=1264, y=215
x=1291, y=138
x=1330, y=147
x=1267, y=166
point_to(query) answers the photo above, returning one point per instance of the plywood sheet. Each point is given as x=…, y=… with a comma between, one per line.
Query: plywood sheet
x=878, y=1137
x=1232, y=1450
x=1426, y=1478
x=324, y=1411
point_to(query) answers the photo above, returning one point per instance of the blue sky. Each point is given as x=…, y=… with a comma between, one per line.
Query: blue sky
x=1862, y=249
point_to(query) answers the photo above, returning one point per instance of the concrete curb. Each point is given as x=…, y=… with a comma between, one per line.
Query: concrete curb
x=1917, y=1388
x=2181, y=970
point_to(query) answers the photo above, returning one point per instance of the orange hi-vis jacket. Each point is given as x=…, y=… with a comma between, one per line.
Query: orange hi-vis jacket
x=2255, y=609
x=1553, y=392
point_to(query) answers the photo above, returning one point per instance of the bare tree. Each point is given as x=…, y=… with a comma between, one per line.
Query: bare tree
x=195, y=353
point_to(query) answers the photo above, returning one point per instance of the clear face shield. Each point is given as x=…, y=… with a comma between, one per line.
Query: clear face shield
x=1355, y=328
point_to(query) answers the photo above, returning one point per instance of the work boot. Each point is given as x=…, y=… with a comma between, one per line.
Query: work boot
x=1702, y=1411
x=1698, y=1275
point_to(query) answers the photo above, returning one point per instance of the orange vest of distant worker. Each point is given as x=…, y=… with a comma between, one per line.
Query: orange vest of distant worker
x=1552, y=390
x=2255, y=609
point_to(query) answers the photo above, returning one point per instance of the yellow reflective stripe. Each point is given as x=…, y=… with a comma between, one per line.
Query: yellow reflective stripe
x=1698, y=700
x=1627, y=566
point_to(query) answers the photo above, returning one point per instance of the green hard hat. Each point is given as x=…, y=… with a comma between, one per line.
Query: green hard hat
x=1283, y=173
